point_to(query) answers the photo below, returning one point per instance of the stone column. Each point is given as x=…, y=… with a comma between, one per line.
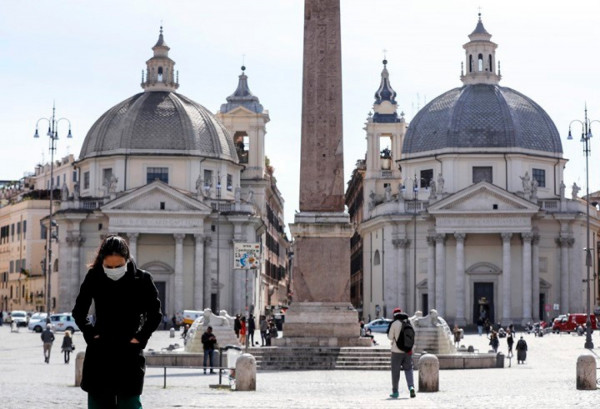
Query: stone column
x=178, y=271
x=563, y=243
x=506, y=275
x=440, y=274
x=207, y=273
x=460, y=279
x=536, y=276
x=133, y=244
x=76, y=242
x=402, y=279
x=199, y=272
x=430, y=272
x=527, y=317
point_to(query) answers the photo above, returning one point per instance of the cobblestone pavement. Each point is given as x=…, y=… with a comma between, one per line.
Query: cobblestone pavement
x=547, y=380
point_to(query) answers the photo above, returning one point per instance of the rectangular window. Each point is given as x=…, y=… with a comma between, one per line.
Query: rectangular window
x=106, y=175
x=64, y=178
x=208, y=178
x=57, y=181
x=12, y=267
x=74, y=176
x=23, y=264
x=24, y=229
x=540, y=176
x=161, y=174
x=17, y=266
x=44, y=231
x=12, y=230
x=86, y=180
x=426, y=177
x=229, y=182
x=482, y=173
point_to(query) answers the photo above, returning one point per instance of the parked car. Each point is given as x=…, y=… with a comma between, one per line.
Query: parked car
x=378, y=325
x=37, y=322
x=63, y=322
x=572, y=321
x=19, y=317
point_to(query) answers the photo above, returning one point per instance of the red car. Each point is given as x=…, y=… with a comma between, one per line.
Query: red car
x=572, y=321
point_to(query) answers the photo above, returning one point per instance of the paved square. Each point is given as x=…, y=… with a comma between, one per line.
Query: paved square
x=547, y=380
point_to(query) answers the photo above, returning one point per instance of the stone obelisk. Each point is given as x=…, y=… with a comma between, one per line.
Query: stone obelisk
x=321, y=313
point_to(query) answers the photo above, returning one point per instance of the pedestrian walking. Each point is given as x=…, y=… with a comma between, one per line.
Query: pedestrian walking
x=457, y=332
x=67, y=346
x=510, y=340
x=494, y=341
x=47, y=339
x=264, y=327
x=399, y=333
x=208, y=343
x=521, y=351
x=243, y=331
x=127, y=312
x=251, y=329
x=237, y=325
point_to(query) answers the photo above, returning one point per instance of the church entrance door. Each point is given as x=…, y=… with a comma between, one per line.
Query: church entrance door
x=483, y=302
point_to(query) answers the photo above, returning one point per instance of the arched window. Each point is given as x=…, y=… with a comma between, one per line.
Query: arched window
x=376, y=258
x=480, y=62
x=470, y=63
x=490, y=63
x=160, y=74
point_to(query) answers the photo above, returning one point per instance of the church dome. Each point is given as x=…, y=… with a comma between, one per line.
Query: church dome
x=482, y=116
x=159, y=121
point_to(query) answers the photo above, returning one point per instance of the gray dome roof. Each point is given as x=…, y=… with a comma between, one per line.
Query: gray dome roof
x=481, y=116
x=159, y=123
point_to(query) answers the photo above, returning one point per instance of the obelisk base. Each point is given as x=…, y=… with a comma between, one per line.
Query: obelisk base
x=321, y=324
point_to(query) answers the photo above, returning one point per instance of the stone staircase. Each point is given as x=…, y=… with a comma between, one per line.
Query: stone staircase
x=345, y=358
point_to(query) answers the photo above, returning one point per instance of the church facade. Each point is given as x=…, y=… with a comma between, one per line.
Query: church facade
x=466, y=210
x=183, y=186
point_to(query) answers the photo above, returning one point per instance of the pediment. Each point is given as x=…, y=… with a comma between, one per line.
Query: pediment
x=483, y=198
x=148, y=198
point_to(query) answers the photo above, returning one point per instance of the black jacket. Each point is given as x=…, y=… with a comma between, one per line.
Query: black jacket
x=124, y=309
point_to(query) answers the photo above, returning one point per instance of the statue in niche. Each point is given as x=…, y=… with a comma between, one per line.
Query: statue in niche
x=250, y=196
x=534, y=188
x=432, y=190
x=400, y=192
x=440, y=183
x=562, y=189
x=112, y=184
x=575, y=191
x=371, y=200
x=64, y=192
x=76, y=191
x=388, y=193
x=526, y=184
x=238, y=194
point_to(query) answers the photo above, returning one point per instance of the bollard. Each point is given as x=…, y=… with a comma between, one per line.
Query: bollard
x=429, y=373
x=172, y=333
x=245, y=373
x=499, y=360
x=586, y=373
x=79, y=367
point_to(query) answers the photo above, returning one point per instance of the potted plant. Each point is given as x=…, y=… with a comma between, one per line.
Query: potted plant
x=386, y=159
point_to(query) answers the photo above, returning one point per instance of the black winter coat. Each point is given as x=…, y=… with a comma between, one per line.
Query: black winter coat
x=124, y=309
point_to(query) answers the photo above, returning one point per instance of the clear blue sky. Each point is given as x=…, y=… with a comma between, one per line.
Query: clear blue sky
x=88, y=56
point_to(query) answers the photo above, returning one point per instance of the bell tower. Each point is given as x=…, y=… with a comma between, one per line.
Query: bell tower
x=480, y=64
x=160, y=74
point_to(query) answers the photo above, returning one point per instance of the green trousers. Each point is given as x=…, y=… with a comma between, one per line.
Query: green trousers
x=114, y=402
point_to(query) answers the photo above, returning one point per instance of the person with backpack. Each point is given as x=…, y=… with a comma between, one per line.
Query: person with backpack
x=402, y=337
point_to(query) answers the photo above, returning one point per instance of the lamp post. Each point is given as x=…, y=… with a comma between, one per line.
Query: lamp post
x=586, y=135
x=53, y=135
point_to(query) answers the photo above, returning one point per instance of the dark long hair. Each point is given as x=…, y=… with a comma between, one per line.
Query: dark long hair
x=111, y=245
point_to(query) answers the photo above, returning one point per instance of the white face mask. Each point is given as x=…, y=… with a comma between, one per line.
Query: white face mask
x=115, y=273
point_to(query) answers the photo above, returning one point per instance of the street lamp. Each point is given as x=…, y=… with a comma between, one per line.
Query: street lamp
x=586, y=135
x=53, y=135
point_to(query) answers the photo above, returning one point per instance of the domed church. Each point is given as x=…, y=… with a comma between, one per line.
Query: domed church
x=465, y=209
x=182, y=185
